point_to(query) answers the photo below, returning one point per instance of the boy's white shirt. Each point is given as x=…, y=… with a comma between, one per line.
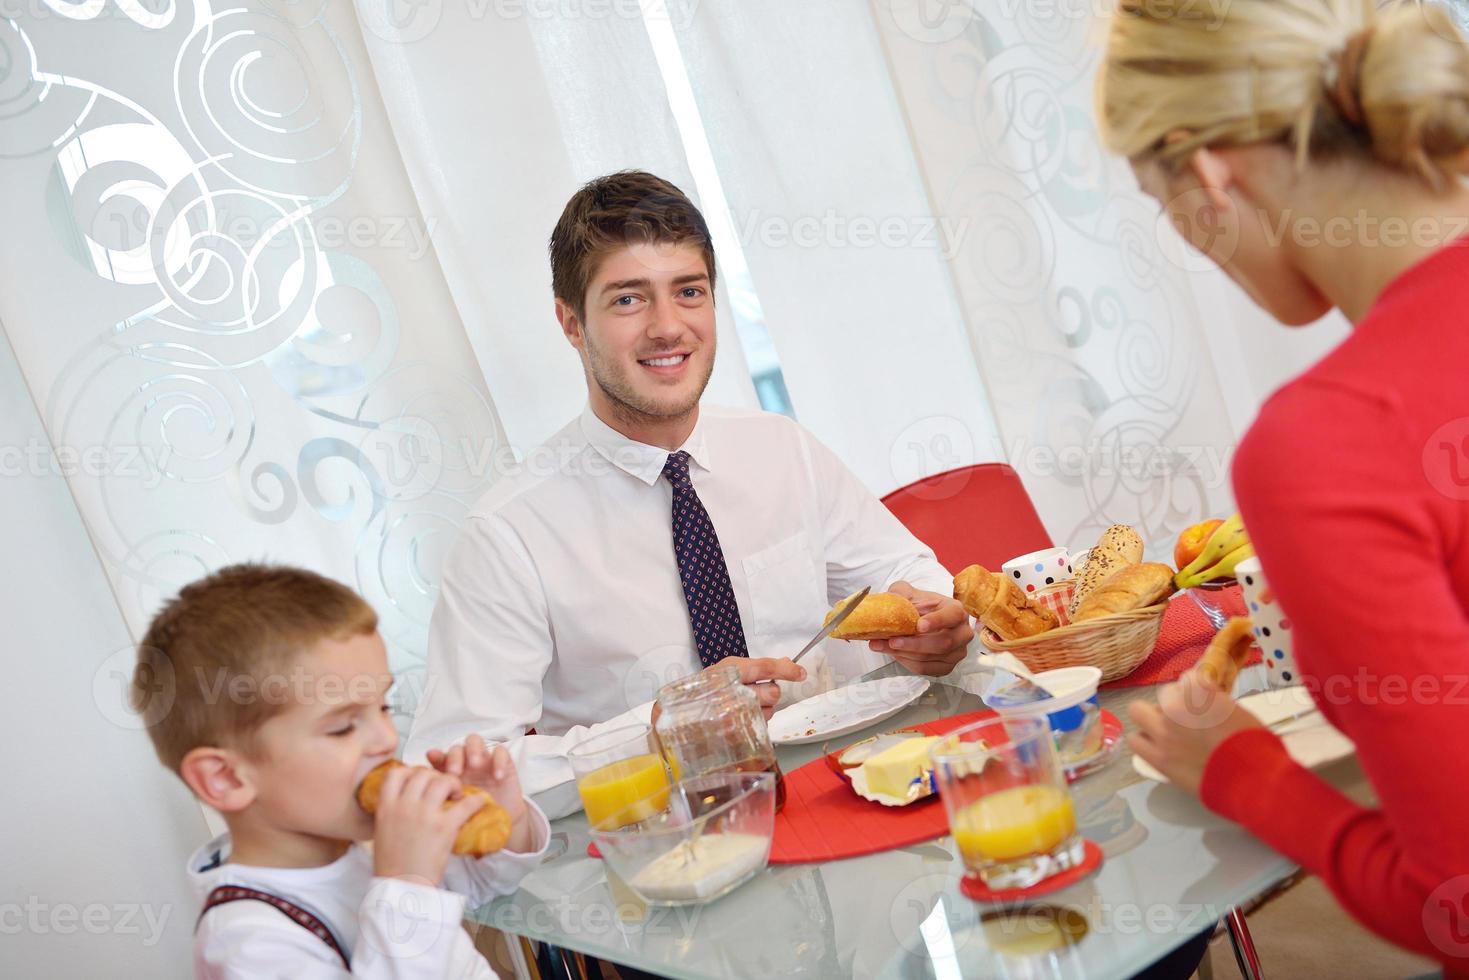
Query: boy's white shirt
x=389, y=927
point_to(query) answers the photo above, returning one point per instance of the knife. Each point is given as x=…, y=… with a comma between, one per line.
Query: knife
x=836, y=621
x=1280, y=723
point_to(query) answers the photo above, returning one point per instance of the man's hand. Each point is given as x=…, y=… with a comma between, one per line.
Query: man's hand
x=943, y=633
x=494, y=772
x=413, y=830
x=754, y=671
x=1179, y=733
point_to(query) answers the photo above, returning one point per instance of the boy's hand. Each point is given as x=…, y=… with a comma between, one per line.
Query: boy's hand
x=494, y=772
x=414, y=831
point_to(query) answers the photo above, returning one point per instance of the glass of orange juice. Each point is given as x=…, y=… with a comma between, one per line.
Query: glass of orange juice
x=618, y=769
x=621, y=773
x=1009, y=809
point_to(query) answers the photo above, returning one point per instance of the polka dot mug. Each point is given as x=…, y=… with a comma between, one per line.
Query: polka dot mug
x=1039, y=569
x=1272, y=625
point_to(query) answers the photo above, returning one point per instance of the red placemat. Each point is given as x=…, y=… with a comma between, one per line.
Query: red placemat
x=1181, y=641
x=1091, y=860
x=823, y=820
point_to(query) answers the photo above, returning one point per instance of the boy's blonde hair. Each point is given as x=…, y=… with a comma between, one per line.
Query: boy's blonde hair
x=201, y=677
x=1331, y=77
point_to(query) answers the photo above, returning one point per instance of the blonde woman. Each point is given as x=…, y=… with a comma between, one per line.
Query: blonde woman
x=1313, y=148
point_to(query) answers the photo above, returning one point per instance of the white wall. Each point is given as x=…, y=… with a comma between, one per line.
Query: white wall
x=94, y=833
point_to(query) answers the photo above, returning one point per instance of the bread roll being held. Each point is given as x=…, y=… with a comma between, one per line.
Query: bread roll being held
x=1227, y=653
x=1134, y=587
x=880, y=616
x=1118, y=547
x=486, y=831
x=998, y=603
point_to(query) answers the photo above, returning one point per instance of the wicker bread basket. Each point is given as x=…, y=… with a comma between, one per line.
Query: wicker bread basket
x=1117, y=644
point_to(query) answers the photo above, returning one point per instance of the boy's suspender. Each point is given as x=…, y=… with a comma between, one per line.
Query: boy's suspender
x=298, y=915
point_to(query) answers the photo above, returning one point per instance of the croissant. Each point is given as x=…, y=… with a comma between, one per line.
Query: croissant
x=1226, y=653
x=999, y=604
x=1134, y=587
x=880, y=616
x=1118, y=547
x=975, y=588
x=485, y=832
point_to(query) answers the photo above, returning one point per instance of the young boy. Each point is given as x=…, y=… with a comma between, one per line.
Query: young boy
x=265, y=691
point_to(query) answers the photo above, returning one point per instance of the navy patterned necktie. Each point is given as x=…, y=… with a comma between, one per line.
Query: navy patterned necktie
x=718, y=632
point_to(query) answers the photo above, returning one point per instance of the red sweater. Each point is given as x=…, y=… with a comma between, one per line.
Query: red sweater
x=1354, y=484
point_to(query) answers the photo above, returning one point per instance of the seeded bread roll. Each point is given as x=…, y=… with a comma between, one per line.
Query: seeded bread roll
x=1124, y=541
x=1118, y=547
x=881, y=616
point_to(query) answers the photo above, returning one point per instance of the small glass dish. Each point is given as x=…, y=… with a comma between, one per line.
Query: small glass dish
x=709, y=836
x=1219, y=599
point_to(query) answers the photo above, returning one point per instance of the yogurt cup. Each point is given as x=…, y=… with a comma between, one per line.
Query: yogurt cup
x=1072, y=710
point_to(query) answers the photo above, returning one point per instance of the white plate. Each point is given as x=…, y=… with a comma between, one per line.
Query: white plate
x=1310, y=741
x=844, y=710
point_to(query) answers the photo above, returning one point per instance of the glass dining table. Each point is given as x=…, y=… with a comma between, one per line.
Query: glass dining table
x=1171, y=870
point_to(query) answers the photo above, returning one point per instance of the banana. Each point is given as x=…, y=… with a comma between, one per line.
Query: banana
x=1224, y=567
x=1226, y=538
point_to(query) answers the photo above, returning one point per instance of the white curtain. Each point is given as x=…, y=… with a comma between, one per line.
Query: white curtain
x=846, y=255
x=1110, y=350
x=230, y=320
x=221, y=292
x=274, y=278
x=501, y=112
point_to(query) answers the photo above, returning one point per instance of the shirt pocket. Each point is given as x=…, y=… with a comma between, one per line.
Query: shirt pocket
x=785, y=594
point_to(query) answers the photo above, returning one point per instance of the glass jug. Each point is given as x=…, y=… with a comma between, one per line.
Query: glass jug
x=711, y=722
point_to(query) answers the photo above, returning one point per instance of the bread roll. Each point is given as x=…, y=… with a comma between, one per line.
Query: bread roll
x=999, y=604
x=1118, y=547
x=881, y=616
x=1124, y=541
x=1227, y=653
x=485, y=832
x=1134, y=587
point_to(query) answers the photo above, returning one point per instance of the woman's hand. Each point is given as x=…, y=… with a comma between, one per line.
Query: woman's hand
x=1179, y=733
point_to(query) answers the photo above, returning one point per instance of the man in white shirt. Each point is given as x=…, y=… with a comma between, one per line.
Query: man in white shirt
x=652, y=536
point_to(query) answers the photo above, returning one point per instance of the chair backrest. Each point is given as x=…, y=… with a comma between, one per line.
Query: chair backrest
x=978, y=513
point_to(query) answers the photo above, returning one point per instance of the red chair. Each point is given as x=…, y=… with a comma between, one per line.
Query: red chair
x=978, y=513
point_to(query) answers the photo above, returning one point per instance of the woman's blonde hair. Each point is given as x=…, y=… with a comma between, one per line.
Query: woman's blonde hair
x=1323, y=76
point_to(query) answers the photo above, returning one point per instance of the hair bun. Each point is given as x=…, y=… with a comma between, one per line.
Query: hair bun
x=1343, y=74
x=1412, y=90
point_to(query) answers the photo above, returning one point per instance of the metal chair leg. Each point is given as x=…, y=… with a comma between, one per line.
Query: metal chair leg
x=1244, y=945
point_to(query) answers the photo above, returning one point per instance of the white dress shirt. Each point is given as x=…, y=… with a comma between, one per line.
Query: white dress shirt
x=561, y=609
x=389, y=927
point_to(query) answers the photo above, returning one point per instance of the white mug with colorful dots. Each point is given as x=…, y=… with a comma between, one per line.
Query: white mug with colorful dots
x=1039, y=569
x=1272, y=625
